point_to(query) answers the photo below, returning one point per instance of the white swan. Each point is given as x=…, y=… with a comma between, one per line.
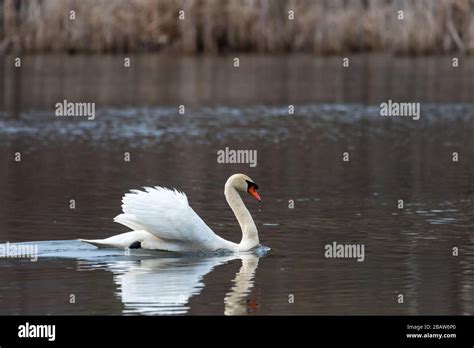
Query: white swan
x=161, y=219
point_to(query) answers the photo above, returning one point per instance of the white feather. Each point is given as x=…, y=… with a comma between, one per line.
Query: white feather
x=167, y=215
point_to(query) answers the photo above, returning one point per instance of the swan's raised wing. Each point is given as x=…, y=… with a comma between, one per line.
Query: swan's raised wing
x=167, y=215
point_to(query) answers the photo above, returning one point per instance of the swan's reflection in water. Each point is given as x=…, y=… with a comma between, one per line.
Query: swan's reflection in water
x=235, y=300
x=165, y=286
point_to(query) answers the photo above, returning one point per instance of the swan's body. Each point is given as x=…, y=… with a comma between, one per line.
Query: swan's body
x=161, y=219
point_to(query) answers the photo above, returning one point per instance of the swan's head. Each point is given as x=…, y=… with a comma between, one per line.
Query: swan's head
x=243, y=183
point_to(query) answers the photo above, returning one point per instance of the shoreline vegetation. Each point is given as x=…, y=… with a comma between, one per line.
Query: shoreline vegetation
x=224, y=26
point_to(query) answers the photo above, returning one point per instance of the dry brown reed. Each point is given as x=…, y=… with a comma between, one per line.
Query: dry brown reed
x=215, y=26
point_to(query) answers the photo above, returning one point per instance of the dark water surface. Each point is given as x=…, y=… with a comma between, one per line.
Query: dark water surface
x=408, y=251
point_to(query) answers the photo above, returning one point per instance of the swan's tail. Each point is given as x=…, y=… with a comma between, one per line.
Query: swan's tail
x=100, y=243
x=130, y=240
x=124, y=240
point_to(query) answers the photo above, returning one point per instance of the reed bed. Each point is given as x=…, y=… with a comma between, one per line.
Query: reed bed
x=220, y=26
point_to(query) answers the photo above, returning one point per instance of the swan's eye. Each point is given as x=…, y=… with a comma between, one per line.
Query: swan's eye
x=251, y=184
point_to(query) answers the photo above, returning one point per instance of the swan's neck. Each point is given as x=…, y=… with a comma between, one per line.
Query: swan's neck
x=249, y=230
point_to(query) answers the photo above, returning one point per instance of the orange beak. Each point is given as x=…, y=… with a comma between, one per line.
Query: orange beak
x=254, y=193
